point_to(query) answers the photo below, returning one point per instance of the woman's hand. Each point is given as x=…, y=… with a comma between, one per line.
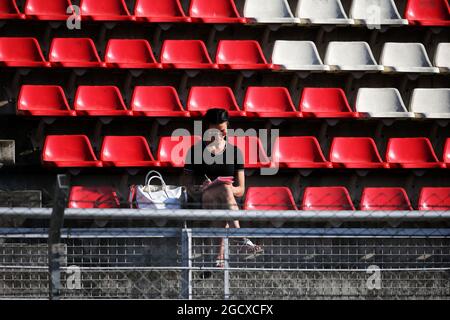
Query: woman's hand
x=205, y=184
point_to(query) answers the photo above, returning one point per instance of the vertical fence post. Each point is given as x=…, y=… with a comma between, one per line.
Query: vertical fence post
x=55, y=249
x=186, y=262
x=226, y=272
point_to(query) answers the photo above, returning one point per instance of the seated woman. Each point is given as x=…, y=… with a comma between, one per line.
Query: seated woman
x=212, y=158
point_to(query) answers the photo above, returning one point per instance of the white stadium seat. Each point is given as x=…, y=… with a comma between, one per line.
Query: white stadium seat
x=269, y=11
x=381, y=103
x=376, y=12
x=297, y=55
x=406, y=57
x=442, y=57
x=350, y=56
x=322, y=12
x=431, y=103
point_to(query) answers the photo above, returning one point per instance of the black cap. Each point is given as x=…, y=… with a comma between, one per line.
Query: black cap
x=216, y=116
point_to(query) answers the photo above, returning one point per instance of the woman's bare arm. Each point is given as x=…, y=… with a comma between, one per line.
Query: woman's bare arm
x=188, y=181
x=239, y=186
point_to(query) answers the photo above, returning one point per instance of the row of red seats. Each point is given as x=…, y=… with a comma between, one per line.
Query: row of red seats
x=280, y=198
x=163, y=101
x=132, y=54
x=159, y=11
x=338, y=198
x=421, y=12
x=345, y=152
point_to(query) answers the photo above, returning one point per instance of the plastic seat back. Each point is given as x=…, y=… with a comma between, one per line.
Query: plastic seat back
x=48, y=10
x=99, y=99
x=430, y=12
x=442, y=57
x=327, y=198
x=434, y=199
x=411, y=153
x=381, y=102
x=126, y=150
x=172, y=151
x=218, y=10
x=406, y=57
x=268, y=100
x=240, y=54
x=269, y=198
x=268, y=10
x=43, y=100
x=389, y=199
x=9, y=10
x=81, y=197
x=160, y=10
x=185, y=52
x=432, y=103
x=74, y=52
x=252, y=150
x=355, y=153
x=297, y=55
x=68, y=150
x=129, y=53
x=105, y=9
x=18, y=52
x=201, y=99
x=376, y=12
x=324, y=102
x=306, y=153
x=350, y=55
x=320, y=10
x=156, y=101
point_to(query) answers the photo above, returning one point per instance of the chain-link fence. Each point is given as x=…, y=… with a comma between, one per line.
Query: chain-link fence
x=167, y=263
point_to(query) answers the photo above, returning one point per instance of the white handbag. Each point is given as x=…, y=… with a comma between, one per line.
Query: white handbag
x=161, y=196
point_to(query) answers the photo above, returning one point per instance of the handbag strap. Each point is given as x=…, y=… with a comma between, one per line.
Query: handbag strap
x=155, y=174
x=163, y=185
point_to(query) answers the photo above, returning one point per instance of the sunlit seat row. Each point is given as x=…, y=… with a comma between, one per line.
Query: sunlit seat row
x=307, y=12
x=281, y=198
x=259, y=102
x=354, y=56
x=345, y=152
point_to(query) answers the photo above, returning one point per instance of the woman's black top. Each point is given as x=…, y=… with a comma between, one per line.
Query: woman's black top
x=201, y=162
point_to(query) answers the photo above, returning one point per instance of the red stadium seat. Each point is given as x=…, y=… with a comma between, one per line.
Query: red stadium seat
x=218, y=11
x=93, y=197
x=269, y=198
x=411, y=153
x=69, y=151
x=126, y=151
x=172, y=151
x=21, y=52
x=74, y=53
x=157, y=102
x=325, y=103
x=428, y=13
x=298, y=152
x=241, y=55
x=327, y=198
x=100, y=101
x=269, y=102
x=9, y=10
x=201, y=99
x=36, y=100
x=130, y=54
x=185, y=54
x=434, y=199
x=105, y=10
x=447, y=153
x=160, y=11
x=252, y=150
x=385, y=199
x=357, y=153
x=48, y=10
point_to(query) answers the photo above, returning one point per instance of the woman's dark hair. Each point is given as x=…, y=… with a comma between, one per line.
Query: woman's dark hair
x=216, y=116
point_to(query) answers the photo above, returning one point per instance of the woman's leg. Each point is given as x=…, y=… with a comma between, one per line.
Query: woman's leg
x=221, y=197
